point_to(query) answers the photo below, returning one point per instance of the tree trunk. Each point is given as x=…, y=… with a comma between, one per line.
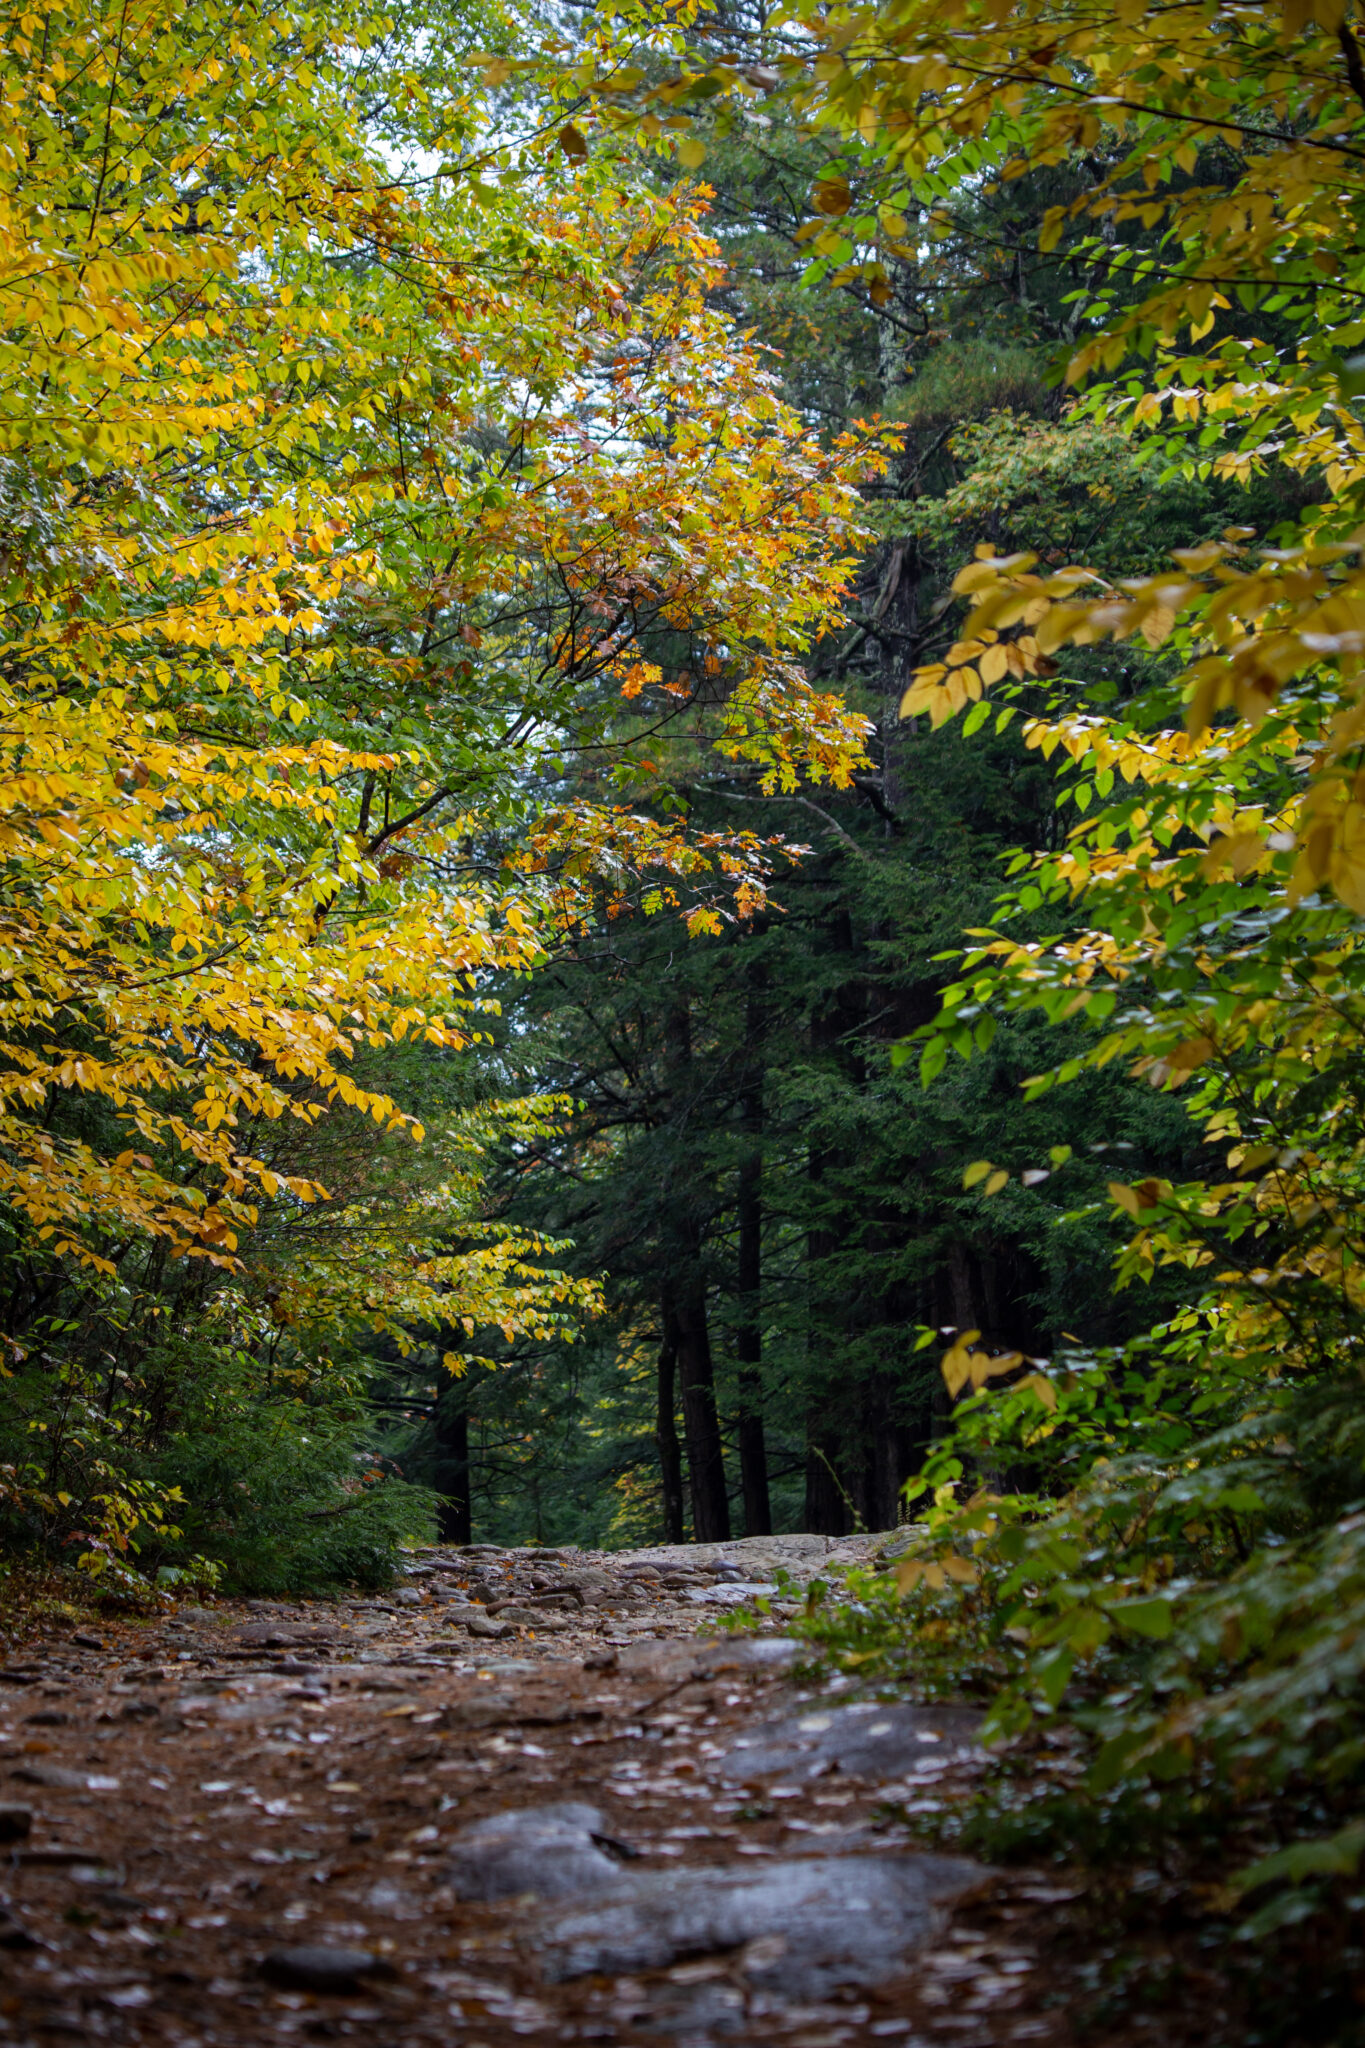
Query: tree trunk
x=753, y=1454
x=701, y=1423
x=666, y=1429
x=685, y=1301
x=826, y=1511
x=455, y=1518
x=833, y=1407
x=877, y=1491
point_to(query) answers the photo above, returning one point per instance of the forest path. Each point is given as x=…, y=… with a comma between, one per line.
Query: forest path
x=266, y=1821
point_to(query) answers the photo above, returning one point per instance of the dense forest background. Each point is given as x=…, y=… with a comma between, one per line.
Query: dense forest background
x=757, y=1223
x=777, y=1212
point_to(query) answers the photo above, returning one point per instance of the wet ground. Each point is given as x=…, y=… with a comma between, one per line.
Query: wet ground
x=532, y=1795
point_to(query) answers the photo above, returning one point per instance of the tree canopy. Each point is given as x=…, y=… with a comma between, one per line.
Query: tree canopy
x=339, y=508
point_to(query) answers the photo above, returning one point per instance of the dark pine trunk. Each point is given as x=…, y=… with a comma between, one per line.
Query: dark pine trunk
x=753, y=1454
x=685, y=1304
x=826, y=1513
x=834, y=1403
x=701, y=1423
x=455, y=1517
x=666, y=1429
x=826, y=1510
x=877, y=1492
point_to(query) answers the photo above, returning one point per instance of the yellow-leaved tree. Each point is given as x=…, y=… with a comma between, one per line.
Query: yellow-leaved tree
x=336, y=506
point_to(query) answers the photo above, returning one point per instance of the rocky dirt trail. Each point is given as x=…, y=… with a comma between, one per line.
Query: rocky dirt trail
x=530, y=1795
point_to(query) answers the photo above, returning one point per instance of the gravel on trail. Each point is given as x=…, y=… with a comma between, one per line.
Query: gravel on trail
x=532, y=1795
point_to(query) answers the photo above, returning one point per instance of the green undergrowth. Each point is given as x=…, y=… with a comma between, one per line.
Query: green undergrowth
x=38, y=1597
x=1149, y=1571
x=205, y=1471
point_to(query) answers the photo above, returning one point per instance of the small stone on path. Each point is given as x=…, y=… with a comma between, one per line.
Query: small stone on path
x=322, y=1969
x=552, y=1851
x=866, y=1740
x=489, y=1631
x=56, y=1776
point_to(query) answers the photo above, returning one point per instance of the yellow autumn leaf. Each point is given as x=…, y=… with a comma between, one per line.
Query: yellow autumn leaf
x=831, y=196
x=1038, y=1383
x=956, y=1363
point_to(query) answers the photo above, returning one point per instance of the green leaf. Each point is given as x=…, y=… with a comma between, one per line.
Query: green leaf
x=1052, y=1676
x=1151, y=1618
x=1109, y=1765
x=1324, y=1856
x=1240, y=1500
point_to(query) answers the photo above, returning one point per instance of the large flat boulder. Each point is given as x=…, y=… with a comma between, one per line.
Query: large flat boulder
x=800, y=1928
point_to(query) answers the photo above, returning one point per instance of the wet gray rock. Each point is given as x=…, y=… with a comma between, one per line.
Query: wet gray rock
x=592, y=1587
x=489, y=1631
x=801, y=1928
x=322, y=1969
x=283, y=1635
x=408, y=1596
x=547, y=1619
x=867, y=1740
x=554, y=1851
x=728, y=1592
x=139, y=1710
x=752, y=1556
x=394, y=1901
x=490, y=1707
x=56, y=1776
x=697, y=2012
x=698, y=1659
